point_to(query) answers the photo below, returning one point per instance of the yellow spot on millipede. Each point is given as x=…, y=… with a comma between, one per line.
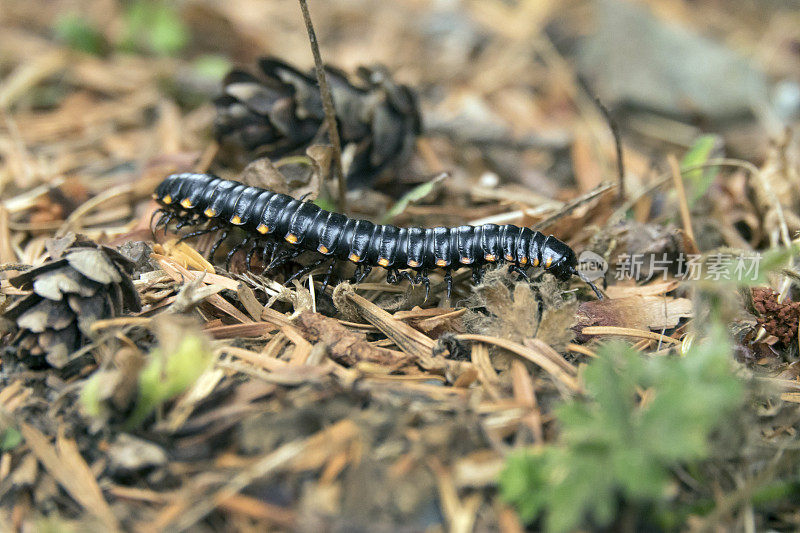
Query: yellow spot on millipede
x=412, y=263
x=322, y=249
x=262, y=229
x=292, y=238
x=383, y=262
x=186, y=203
x=535, y=262
x=490, y=257
x=466, y=260
x=354, y=258
x=549, y=262
x=210, y=213
x=167, y=199
x=509, y=257
x=236, y=219
x=441, y=263
x=523, y=260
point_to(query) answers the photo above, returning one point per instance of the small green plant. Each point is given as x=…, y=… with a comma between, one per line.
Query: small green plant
x=641, y=418
x=79, y=33
x=10, y=438
x=212, y=67
x=167, y=374
x=700, y=179
x=154, y=27
x=413, y=196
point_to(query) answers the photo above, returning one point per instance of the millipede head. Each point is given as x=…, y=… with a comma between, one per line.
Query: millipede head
x=557, y=258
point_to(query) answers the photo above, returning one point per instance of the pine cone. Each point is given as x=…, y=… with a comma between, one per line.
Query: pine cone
x=74, y=288
x=279, y=112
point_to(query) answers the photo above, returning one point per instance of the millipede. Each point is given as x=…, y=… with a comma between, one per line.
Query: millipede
x=281, y=227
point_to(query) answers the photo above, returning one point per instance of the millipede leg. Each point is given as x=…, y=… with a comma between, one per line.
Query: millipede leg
x=477, y=274
x=164, y=221
x=407, y=275
x=185, y=221
x=282, y=258
x=328, y=275
x=305, y=270
x=521, y=271
x=422, y=277
x=214, y=248
x=250, y=253
x=267, y=251
x=392, y=276
x=198, y=233
x=363, y=273
x=229, y=257
x=275, y=251
x=356, y=273
x=162, y=213
x=448, y=279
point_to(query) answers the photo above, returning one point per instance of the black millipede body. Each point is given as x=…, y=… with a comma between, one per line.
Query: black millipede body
x=285, y=227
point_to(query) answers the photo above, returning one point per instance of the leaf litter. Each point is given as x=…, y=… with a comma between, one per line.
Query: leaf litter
x=231, y=401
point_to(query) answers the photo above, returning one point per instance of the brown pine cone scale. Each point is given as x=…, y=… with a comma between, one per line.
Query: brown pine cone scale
x=278, y=111
x=72, y=290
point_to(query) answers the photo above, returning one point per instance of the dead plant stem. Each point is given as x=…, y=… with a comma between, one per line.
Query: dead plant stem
x=330, y=113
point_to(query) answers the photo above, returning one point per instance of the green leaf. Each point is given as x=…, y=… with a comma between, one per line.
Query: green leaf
x=414, y=195
x=700, y=179
x=156, y=27
x=324, y=202
x=90, y=395
x=212, y=67
x=78, y=33
x=10, y=439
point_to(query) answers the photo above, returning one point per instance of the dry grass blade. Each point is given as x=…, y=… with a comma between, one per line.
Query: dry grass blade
x=486, y=373
x=65, y=464
x=7, y=254
x=302, y=348
x=407, y=338
x=460, y=515
x=188, y=257
x=628, y=332
x=525, y=394
x=577, y=348
x=233, y=331
x=181, y=275
x=260, y=510
x=677, y=179
x=540, y=358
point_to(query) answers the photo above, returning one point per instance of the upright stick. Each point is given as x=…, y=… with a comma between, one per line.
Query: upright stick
x=330, y=113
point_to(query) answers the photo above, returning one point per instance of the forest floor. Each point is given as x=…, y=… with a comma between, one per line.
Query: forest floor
x=229, y=401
